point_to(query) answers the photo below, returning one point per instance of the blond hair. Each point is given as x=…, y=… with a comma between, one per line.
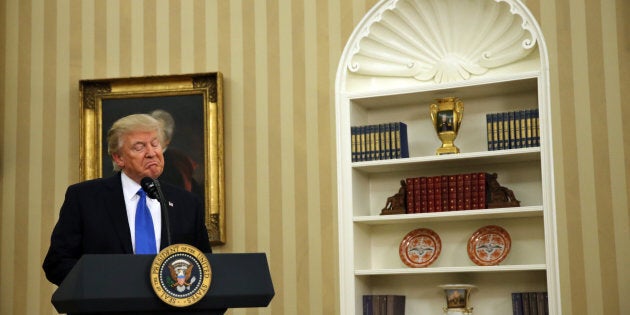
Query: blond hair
x=126, y=125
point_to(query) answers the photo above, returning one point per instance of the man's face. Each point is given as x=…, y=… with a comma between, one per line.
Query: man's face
x=140, y=155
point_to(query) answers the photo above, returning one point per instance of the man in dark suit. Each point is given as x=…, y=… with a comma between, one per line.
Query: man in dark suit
x=99, y=216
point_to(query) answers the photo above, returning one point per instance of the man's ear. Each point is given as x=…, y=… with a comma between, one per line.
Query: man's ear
x=118, y=160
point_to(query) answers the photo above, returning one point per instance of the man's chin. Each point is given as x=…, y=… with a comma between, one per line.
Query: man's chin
x=154, y=173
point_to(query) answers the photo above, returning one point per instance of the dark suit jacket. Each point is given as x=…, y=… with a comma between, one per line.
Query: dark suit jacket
x=93, y=220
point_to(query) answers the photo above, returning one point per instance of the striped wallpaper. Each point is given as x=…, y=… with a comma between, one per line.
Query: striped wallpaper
x=279, y=59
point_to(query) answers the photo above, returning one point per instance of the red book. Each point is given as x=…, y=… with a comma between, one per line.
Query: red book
x=430, y=195
x=452, y=193
x=482, y=191
x=437, y=193
x=474, y=188
x=424, y=199
x=444, y=189
x=467, y=192
x=460, y=192
x=417, y=195
x=410, y=202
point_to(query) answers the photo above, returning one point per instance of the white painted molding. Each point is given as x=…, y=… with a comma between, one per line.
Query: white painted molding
x=441, y=40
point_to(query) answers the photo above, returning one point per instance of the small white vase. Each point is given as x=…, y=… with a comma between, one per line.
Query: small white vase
x=457, y=299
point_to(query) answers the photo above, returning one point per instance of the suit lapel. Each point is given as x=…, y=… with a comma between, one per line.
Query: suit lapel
x=115, y=207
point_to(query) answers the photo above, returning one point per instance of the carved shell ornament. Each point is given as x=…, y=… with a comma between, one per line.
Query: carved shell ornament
x=442, y=40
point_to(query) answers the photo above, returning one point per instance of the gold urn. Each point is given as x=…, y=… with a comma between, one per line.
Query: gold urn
x=447, y=116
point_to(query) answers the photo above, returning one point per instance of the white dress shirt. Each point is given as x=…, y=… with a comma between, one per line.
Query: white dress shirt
x=130, y=192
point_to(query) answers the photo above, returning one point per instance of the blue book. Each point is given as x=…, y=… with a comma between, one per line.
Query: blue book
x=404, y=144
x=395, y=131
x=495, y=131
x=362, y=144
x=506, y=130
x=489, y=131
x=353, y=143
x=525, y=297
x=536, y=129
x=540, y=303
x=377, y=142
x=533, y=303
x=372, y=143
x=388, y=142
x=382, y=305
x=517, y=129
x=517, y=303
x=367, y=153
x=395, y=305
x=367, y=305
x=499, y=120
x=524, y=116
x=381, y=141
x=366, y=143
x=512, y=130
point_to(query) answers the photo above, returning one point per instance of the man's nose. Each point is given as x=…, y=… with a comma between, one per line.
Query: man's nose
x=151, y=151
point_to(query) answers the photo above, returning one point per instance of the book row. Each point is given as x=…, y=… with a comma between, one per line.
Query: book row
x=530, y=303
x=446, y=193
x=523, y=303
x=383, y=305
x=379, y=142
x=513, y=130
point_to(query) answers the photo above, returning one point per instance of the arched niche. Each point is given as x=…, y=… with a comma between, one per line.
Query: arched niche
x=407, y=48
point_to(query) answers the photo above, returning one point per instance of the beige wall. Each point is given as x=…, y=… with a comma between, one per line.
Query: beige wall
x=279, y=59
x=589, y=44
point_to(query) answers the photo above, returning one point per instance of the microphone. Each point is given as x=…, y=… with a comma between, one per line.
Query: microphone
x=152, y=188
x=149, y=187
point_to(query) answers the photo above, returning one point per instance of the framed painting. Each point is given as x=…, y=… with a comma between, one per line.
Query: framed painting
x=191, y=105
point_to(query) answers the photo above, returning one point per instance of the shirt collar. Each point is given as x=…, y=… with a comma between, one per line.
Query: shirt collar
x=130, y=188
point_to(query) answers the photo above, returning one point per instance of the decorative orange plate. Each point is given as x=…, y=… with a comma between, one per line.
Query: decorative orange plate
x=489, y=245
x=420, y=248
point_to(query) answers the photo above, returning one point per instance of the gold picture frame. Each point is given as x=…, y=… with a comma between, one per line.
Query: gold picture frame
x=195, y=102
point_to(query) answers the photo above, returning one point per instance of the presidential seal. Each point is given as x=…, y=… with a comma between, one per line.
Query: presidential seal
x=180, y=275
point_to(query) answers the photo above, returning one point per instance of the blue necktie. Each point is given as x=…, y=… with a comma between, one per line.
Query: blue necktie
x=145, y=234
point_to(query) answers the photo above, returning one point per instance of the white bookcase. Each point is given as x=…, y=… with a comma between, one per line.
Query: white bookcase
x=388, y=73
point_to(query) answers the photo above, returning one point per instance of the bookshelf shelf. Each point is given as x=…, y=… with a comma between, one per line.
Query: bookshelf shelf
x=437, y=161
x=471, y=269
x=464, y=215
x=481, y=87
x=371, y=91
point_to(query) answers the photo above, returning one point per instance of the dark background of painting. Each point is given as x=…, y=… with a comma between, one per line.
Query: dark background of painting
x=188, y=134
